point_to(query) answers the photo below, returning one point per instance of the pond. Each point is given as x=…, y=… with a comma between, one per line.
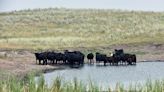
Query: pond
x=110, y=75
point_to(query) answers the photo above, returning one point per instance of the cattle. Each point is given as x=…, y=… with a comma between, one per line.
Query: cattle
x=124, y=58
x=131, y=59
x=119, y=51
x=127, y=58
x=101, y=58
x=59, y=57
x=110, y=60
x=90, y=57
x=51, y=56
x=119, y=57
x=134, y=59
x=41, y=57
x=75, y=57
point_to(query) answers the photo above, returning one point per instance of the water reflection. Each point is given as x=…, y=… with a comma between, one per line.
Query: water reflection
x=110, y=75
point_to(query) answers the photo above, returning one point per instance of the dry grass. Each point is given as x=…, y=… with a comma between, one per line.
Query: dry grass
x=66, y=28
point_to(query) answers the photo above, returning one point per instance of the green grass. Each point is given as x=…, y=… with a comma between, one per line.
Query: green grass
x=29, y=85
x=73, y=28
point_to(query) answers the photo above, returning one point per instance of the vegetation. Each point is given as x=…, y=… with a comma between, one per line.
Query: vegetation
x=30, y=85
x=73, y=28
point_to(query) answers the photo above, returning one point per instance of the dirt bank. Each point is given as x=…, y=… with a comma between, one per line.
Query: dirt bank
x=21, y=62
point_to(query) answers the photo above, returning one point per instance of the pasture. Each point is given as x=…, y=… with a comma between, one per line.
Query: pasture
x=22, y=33
x=59, y=28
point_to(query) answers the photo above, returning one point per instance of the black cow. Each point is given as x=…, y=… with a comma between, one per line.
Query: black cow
x=119, y=56
x=110, y=60
x=124, y=58
x=75, y=57
x=131, y=58
x=90, y=57
x=51, y=56
x=119, y=51
x=134, y=59
x=60, y=57
x=41, y=57
x=101, y=57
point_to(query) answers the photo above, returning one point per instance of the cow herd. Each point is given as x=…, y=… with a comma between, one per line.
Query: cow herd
x=68, y=57
x=118, y=58
x=77, y=58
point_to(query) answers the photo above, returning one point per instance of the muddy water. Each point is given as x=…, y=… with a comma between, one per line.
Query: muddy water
x=110, y=75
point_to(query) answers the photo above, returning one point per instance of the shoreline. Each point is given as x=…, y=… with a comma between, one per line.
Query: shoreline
x=22, y=62
x=51, y=68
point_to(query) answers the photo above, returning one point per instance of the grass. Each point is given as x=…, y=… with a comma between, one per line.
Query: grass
x=55, y=28
x=29, y=85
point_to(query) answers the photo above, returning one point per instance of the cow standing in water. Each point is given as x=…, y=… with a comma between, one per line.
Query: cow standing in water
x=51, y=56
x=90, y=57
x=74, y=58
x=101, y=58
x=124, y=58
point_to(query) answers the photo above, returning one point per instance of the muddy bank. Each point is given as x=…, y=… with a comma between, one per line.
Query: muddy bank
x=21, y=62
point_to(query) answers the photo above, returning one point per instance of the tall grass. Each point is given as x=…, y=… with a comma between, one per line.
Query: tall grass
x=64, y=28
x=30, y=85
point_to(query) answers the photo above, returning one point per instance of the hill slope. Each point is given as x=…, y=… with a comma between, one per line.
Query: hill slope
x=67, y=28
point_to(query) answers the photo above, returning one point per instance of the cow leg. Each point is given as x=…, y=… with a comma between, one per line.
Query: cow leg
x=39, y=61
x=104, y=63
x=117, y=63
x=56, y=61
x=79, y=63
x=122, y=62
x=46, y=62
x=64, y=61
x=52, y=62
x=110, y=63
x=43, y=62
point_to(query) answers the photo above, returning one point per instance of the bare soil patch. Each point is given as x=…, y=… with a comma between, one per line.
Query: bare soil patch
x=21, y=63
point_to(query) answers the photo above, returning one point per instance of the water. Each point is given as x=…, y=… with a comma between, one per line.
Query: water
x=110, y=75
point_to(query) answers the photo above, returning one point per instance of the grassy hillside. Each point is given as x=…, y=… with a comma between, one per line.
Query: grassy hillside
x=63, y=28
